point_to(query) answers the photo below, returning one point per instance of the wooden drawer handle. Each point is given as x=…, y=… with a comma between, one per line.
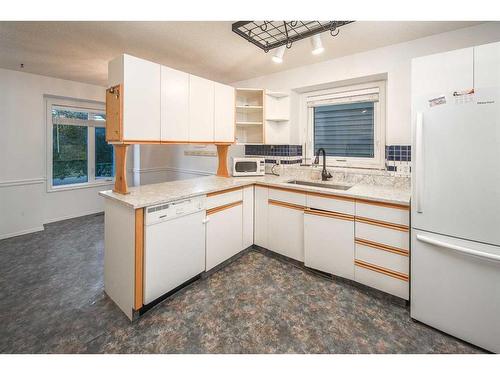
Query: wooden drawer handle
x=286, y=205
x=224, y=207
x=379, y=246
x=382, y=270
x=384, y=224
x=224, y=191
x=331, y=214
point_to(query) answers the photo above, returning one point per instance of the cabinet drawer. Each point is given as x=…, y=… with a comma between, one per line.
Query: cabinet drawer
x=224, y=197
x=287, y=196
x=383, y=234
x=327, y=203
x=389, y=213
x=377, y=279
x=379, y=256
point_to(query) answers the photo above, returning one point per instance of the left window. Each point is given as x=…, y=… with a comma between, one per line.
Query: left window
x=78, y=155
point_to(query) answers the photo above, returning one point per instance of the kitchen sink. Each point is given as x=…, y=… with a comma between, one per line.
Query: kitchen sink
x=319, y=184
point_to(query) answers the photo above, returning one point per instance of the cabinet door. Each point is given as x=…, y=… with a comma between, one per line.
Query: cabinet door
x=224, y=113
x=224, y=235
x=443, y=73
x=141, y=100
x=174, y=105
x=201, y=109
x=286, y=231
x=261, y=216
x=487, y=65
x=248, y=209
x=329, y=244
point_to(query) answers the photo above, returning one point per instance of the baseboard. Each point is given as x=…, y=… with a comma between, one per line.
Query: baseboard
x=87, y=213
x=21, y=232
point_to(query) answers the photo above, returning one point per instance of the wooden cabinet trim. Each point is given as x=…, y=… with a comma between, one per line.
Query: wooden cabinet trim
x=287, y=205
x=383, y=204
x=400, y=227
x=385, y=271
x=139, y=258
x=138, y=142
x=285, y=189
x=219, y=192
x=222, y=152
x=120, y=169
x=114, y=113
x=379, y=246
x=330, y=196
x=224, y=207
x=331, y=214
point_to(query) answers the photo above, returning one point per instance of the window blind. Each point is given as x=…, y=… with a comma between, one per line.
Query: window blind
x=345, y=130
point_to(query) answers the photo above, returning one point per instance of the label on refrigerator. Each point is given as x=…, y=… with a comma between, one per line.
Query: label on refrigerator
x=437, y=101
x=464, y=96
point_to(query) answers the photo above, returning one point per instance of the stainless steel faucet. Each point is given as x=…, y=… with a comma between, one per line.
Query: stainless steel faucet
x=325, y=175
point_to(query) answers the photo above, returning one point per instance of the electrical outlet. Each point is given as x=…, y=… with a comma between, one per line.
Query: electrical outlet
x=404, y=169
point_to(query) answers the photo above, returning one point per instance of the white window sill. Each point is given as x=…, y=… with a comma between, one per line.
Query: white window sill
x=86, y=185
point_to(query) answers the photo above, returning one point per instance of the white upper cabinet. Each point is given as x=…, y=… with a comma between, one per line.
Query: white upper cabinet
x=487, y=65
x=160, y=104
x=141, y=96
x=174, y=105
x=201, y=109
x=223, y=113
x=443, y=73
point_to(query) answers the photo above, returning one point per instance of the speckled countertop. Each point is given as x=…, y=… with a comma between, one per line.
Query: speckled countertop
x=150, y=195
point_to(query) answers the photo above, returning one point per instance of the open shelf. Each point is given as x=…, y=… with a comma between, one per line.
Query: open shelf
x=248, y=123
x=249, y=108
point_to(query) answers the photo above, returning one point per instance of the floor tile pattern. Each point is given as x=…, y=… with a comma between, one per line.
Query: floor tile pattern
x=53, y=302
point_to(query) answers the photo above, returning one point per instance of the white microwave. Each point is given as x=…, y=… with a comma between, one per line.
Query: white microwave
x=249, y=167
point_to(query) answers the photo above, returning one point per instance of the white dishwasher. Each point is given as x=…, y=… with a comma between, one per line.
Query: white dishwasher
x=174, y=247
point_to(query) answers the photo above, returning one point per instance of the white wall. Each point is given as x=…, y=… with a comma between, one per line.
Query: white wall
x=25, y=204
x=393, y=61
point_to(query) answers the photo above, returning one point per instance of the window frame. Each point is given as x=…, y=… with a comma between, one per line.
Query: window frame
x=349, y=93
x=77, y=105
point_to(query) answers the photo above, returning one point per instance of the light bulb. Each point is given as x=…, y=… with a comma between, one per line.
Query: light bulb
x=278, y=55
x=317, y=44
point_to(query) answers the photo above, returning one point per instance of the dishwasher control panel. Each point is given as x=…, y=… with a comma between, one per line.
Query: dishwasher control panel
x=172, y=210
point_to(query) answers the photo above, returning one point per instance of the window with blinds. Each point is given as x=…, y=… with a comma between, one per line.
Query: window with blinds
x=349, y=124
x=345, y=130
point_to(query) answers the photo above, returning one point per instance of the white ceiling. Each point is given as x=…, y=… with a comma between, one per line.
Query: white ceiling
x=79, y=51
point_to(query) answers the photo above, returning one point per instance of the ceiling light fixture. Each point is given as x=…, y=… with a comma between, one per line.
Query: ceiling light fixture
x=317, y=44
x=278, y=55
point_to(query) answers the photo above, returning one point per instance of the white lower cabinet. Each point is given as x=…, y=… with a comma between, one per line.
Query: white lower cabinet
x=248, y=214
x=224, y=234
x=286, y=230
x=329, y=243
x=261, y=196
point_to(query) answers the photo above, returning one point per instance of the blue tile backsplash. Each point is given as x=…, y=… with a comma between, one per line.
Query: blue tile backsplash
x=397, y=157
x=398, y=153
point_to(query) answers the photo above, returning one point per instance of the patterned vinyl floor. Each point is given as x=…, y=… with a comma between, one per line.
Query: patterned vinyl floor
x=53, y=302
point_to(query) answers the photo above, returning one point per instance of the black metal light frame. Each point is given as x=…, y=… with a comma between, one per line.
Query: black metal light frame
x=269, y=35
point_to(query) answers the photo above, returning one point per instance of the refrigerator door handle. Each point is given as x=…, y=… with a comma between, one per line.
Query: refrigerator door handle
x=419, y=164
x=459, y=249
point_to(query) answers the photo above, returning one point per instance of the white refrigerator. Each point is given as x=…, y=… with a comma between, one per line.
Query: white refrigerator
x=455, y=208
